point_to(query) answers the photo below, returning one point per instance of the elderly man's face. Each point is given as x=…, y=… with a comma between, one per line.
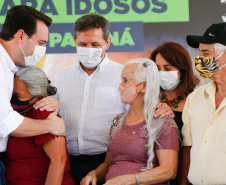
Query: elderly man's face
x=207, y=50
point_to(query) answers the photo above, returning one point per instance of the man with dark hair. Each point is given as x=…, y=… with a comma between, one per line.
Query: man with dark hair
x=204, y=115
x=22, y=42
x=94, y=81
x=22, y=17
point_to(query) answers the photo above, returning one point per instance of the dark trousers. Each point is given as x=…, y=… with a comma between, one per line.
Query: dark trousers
x=82, y=165
x=173, y=182
x=2, y=172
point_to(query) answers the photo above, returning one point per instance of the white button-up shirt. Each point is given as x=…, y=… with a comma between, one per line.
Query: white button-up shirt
x=88, y=105
x=205, y=130
x=9, y=119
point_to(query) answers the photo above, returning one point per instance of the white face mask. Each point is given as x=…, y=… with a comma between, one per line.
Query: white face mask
x=169, y=79
x=89, y=57
x=38, y=53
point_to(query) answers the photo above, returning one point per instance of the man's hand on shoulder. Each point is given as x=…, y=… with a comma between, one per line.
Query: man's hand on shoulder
x=48, y=103
x=57, y=125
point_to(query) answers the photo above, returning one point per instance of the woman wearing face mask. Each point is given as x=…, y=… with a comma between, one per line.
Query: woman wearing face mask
x=41, y=159
x=142, y=149
x=177, y=79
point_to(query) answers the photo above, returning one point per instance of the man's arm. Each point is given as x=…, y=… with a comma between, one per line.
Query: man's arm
x=32, y=127
x=184, y=165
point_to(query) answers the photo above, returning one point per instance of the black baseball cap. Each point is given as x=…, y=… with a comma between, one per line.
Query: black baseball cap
x=216, y=33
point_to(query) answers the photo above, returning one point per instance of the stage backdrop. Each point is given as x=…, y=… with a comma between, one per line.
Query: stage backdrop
x=136, y=26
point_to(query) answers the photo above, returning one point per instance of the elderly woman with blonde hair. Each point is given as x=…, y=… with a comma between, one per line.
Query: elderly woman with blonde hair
x=142, y=149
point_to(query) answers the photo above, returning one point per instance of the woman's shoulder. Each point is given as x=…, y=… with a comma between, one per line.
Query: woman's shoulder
x=38, y=114
x=167, y=122
x=169, y=128
x=118, y=117
x=116, y=122
x=168, y=135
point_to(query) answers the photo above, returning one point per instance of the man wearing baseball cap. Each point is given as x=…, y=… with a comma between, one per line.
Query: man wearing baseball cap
x=204, y=115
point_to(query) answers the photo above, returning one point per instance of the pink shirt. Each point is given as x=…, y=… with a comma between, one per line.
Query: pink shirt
x=128, y=147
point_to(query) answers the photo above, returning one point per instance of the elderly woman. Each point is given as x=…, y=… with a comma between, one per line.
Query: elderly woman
x=35, y=160
x=142, y=149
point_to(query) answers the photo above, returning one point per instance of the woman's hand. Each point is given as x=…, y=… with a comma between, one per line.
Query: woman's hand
x=48, y=103
x=164, y=110
x=122, y=180
x=99, y=174
x=90, y=178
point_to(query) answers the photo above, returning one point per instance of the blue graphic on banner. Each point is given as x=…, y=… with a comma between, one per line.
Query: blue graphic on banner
x=125, y=37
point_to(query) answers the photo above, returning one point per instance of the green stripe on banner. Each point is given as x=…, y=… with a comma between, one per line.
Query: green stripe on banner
x=68, y=11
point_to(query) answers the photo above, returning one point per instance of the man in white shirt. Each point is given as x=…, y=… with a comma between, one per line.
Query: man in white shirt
x=89, y=96
x=22, y=40
x=204, y=114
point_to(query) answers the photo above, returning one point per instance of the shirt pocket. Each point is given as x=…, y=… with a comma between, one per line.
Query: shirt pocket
x=105, y=98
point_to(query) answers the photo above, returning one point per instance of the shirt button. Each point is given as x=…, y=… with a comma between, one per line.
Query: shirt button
x=205, y=142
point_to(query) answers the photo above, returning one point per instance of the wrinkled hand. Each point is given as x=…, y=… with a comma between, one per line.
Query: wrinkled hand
x=48, y=103
x=89, y=179
x=121, y=180
x=164, y=110
x=57, y=125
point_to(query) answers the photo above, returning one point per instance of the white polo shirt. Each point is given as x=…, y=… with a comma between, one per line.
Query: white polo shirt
x=88, y=105
x=205, y=130
x=9, y=119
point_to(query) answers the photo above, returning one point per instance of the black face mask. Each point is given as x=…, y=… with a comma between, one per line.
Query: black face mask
x=19, y=105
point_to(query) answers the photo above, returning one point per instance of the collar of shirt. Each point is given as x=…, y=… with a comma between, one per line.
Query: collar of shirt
x=100, y=67
x=211, y=88
x=12, y=67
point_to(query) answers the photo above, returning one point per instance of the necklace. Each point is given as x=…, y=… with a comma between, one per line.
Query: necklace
x=173, y=102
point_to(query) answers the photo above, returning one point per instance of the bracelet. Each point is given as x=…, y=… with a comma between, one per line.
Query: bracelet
x=137, y=178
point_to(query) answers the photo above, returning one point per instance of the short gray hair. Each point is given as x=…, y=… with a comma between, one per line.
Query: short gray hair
x=36, y=81
x=219, y=48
